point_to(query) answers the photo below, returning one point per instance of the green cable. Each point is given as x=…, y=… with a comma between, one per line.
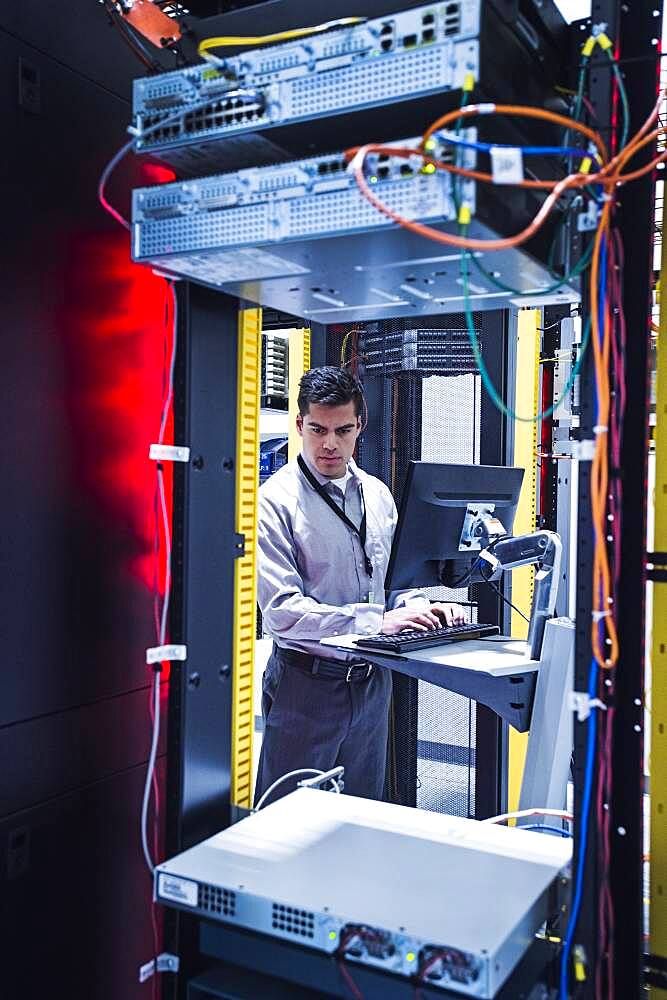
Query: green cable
x=579, y=267
x=624, y=98
x=486, y=378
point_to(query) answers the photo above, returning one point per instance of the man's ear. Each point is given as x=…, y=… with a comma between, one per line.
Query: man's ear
x=299, y=424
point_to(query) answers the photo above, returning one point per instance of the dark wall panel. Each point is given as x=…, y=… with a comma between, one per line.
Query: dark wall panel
x=74, y=909
x=53, y=754
x=81, y=388
x=84, y=342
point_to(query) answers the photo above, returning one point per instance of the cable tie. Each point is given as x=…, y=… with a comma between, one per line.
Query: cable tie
x=468, y=83
x=133, y=130
x=606, y=197
x=589, y=45
x=599, y=615
x=158, y=654
x=581, y=703
x=600, y=429
x=465, y=214
x=489, y=558
x=486, y=109
x=169, y=453
x=584, y=451
x=506, y=164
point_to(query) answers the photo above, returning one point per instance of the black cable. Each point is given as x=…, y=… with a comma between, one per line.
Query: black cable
x=502, y=596
x=552, y=326
x=465, y=579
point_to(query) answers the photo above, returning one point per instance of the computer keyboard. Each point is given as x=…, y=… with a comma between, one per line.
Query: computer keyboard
x=413, y=639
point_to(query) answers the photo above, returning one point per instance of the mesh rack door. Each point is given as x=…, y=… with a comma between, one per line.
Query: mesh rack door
x=425, y=402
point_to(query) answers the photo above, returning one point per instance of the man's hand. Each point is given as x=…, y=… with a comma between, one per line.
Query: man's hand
x=420, y=618
x=448, y=614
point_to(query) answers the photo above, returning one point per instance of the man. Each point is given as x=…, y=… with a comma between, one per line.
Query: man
x=324, y=537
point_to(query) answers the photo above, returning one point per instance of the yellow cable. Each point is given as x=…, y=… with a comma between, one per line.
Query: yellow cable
x=227, y=41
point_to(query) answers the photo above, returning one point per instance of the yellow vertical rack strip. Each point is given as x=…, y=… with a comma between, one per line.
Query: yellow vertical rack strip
x=658, y=765
x=245, y=589
x=299, y=362
x=525, y=457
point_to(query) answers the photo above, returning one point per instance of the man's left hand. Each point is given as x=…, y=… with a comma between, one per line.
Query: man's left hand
x=449, y=614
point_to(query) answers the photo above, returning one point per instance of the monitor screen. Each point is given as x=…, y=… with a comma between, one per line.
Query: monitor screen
x=436, y=501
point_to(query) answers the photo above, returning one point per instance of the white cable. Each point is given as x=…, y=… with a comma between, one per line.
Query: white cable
x=292, y=774
x=149, y=772
x=522, y=813
x=162, y=636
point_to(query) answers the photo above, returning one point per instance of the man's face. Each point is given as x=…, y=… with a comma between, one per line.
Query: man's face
x=329, y=434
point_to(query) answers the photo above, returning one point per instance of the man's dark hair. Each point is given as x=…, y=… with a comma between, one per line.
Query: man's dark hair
x=330, y=387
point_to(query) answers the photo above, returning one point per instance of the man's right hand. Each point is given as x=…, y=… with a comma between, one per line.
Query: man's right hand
x=420, y=618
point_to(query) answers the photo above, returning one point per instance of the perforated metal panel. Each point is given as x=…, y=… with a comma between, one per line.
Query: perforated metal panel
x=300, y=923
x=282, y=202
x=450, y=432
x=366, y=83
x=213, y=899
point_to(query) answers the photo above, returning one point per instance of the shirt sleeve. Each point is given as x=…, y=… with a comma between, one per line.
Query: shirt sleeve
x=287, y=611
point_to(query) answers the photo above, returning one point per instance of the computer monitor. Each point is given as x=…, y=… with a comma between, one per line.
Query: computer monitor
x=438, y=500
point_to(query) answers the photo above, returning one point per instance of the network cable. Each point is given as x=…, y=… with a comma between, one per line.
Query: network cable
x=163, y=619
x=237, y=41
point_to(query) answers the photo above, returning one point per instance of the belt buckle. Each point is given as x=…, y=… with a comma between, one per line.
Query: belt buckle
x=369, y=671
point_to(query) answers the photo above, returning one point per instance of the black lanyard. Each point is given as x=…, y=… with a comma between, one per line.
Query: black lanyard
x=360, y=531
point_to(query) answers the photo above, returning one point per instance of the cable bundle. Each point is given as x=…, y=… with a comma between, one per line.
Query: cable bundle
x=600, y=175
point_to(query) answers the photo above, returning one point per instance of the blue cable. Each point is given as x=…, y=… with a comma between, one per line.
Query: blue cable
x=592, y=719
x=583, y=839
x=486, y=147
x=602, y=295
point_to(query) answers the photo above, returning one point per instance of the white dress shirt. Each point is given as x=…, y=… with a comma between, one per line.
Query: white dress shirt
x=312, y=579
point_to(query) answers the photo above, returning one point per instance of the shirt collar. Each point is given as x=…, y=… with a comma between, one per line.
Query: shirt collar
x=352, y=468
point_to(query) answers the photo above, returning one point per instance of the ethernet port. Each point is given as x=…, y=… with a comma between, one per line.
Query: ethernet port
x=382, y=173
x=322, y=168
x=406, y=170
x=428, y=19
x=387, y=28
x=451, y=8
x=409, y=41
x=428, y=35
x=387, y=44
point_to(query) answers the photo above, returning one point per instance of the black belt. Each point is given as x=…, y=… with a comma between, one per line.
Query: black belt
x=319, y=666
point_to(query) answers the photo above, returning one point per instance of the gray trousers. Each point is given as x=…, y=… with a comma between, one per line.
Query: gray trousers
x=321, y=722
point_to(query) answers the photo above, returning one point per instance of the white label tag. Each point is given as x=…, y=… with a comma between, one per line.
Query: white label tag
x=506, y=165
x=181, y=890
x=371, y=597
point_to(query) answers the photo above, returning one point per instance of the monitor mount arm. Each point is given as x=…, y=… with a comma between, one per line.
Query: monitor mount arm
x=542, y=549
